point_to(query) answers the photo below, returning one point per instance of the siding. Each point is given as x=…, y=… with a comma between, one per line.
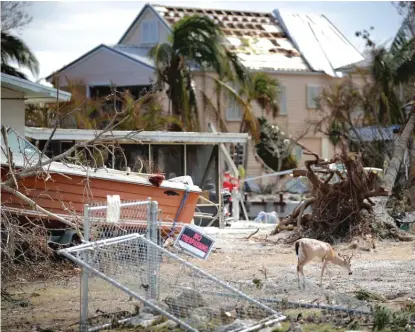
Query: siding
x=294, y=123
x=13, y=110
x=105, y=66
x=134, y=36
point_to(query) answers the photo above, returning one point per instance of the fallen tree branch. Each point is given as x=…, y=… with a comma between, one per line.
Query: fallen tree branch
x=252, y=234
x=336, y=207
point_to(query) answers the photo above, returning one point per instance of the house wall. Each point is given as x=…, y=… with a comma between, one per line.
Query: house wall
x=134, y=36
x=296, y=122
x=105, y=66
x=13, y=110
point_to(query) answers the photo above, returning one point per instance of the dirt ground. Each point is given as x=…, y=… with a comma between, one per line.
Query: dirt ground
x=389, y=270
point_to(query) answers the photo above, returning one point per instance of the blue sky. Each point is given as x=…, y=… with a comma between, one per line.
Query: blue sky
x=62, y=31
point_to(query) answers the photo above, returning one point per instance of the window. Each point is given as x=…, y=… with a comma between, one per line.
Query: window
x=313, y=91
x=282, y=100
x=21, y=149
x=149, y=32
x=233, y=109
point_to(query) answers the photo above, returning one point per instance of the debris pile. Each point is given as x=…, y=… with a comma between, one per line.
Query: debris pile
x=337, y=206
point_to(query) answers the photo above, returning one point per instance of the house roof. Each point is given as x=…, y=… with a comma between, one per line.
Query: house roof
x=166, y=137
x=323, y=46
x=375, y=133
x=264, y=41
x=137, y=54
x=33, y=92
x=257, y=37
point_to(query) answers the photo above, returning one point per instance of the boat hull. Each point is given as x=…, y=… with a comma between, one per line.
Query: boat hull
x=64, y=195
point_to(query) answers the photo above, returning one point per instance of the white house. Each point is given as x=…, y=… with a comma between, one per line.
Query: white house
x=17, y=92
x=303, y=52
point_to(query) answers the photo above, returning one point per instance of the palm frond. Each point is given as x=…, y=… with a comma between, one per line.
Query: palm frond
x=9, y=70
x=265, y=92
x=15, y=49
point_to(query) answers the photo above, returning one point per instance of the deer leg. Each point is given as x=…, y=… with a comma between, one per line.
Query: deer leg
x=300, y=269
x=298, y=275
x=328, y=270
x=322, y=271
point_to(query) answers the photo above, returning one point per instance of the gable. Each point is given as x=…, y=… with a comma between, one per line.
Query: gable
x=103, y=65
x=148, y=23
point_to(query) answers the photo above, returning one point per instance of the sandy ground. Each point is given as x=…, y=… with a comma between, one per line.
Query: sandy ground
x=388, y=270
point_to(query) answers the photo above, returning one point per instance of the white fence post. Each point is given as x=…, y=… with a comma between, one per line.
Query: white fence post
x=152, y=262
x=154, y=257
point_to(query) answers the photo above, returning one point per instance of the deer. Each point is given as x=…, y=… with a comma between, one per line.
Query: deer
x=308, y=249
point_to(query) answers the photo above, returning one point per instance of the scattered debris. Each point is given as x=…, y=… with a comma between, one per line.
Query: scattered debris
x=342, y=208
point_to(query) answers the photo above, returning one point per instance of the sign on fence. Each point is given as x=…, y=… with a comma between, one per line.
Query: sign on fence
x=194, y=242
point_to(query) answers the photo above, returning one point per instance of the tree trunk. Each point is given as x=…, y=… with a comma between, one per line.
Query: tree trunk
x=399, y=152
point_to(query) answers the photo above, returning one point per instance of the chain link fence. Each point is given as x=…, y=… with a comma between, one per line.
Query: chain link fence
x=160, y=284
x=101, y=303
x=152, y=274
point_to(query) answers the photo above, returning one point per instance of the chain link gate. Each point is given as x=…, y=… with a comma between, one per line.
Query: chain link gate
x=185, y=294
x=100, y=302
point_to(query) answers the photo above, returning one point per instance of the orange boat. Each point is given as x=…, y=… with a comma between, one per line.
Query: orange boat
x=68, y=187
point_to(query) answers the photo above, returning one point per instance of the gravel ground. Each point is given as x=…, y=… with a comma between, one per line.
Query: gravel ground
x=388, y=270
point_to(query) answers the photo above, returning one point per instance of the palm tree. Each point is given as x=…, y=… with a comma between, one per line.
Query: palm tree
x=196, y=43
x=391, y=69
x=14, y=49
x=258, y=87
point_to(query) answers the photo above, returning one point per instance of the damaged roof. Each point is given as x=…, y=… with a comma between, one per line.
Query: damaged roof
x=256, y=37
x=323, y=46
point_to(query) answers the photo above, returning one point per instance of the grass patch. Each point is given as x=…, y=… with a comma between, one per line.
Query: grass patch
x=409, y=306
x=365, y=295
x=381, y=317
x=257, y=283
x=304, y=312
x=310, y=327
x=386, y=320
x=159, y=321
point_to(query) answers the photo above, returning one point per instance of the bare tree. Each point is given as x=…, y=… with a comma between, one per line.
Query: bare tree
x=400, y=147
x=14, y=15
x=24, y=237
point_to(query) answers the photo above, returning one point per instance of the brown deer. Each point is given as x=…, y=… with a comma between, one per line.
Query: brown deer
x=309, y=249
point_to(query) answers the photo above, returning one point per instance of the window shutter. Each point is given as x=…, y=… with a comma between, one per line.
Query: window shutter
x=283, y=100
x=313, y=91
x=233, y=109
x=145, y=32
x=154, y=32
x=149, y=32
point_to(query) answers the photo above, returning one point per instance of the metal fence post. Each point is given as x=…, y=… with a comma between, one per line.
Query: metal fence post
x=153, y=257
x=148, y=248
x=148, y=218
x=83, y=322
